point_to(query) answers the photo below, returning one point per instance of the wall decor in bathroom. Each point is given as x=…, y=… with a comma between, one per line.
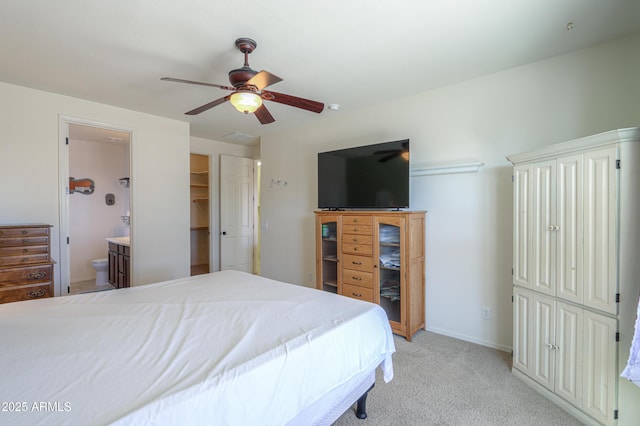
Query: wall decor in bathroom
x=110, y=199
x=81, y=186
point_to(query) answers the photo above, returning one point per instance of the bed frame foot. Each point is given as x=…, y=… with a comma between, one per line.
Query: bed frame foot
x=361, y=408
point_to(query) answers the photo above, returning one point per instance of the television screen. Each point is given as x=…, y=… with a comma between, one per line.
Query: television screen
x=371, y=176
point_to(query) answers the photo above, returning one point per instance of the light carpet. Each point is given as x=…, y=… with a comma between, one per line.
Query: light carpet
x=439, y=380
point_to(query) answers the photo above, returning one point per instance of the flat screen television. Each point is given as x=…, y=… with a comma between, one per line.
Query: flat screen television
x=365, y=177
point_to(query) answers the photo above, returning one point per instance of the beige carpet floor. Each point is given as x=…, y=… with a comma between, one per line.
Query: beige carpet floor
x=439, y=380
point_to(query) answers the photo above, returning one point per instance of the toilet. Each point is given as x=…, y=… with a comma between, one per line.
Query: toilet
x=102, y=270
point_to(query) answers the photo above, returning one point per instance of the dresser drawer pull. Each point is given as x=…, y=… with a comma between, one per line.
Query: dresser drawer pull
x=24, y=232
x=356, y=294
x=37, y=293
x=356, y=263
x=355, y=229
x=36, y=275
x=25, y=251
x=357, y=278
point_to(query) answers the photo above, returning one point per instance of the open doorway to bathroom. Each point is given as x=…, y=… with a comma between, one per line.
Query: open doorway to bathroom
x=100, y=156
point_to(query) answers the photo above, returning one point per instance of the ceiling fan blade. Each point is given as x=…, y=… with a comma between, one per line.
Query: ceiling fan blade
x=293, y=101
x=263, y=115
x=179, y=80
x=263, y=79
x=210, y=105
x=390, y=157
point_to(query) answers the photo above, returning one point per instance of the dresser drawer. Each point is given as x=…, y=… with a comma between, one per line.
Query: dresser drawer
x=24, y=241
x=28, y=292
x=357, y=248
x=360, y=263
x=23, y=232
x=356, y=292
x=26, y=275
x=23, y=250
x=359, y=278
x=26, y=259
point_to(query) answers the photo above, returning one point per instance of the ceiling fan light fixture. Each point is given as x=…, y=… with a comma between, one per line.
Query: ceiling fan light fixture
x=245, y=101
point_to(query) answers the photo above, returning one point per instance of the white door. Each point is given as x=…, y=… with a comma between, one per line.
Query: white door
x=236, y=213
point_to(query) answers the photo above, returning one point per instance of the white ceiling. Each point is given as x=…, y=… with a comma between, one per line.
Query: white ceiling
x=352, y=53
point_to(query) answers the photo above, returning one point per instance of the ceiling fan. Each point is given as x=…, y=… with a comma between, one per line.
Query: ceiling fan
x=247, y=87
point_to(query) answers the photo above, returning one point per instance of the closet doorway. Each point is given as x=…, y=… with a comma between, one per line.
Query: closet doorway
x=200, y=214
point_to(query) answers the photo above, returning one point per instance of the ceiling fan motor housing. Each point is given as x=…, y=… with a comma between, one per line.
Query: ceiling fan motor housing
x=240, y=76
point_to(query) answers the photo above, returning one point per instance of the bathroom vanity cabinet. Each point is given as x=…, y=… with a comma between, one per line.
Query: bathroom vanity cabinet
x=26, y=267
x=119, y=261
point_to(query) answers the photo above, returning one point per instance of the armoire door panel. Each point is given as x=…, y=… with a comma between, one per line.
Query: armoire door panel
x=569, y=234
x=543, y=227
x=599, y=369
x=569, y=352
x=522, y=224
x=522, y=302
x=600, y=230
x=543, y=345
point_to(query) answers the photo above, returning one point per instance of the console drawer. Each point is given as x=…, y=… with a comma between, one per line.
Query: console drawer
x=356, y=292
x=360, y=263
x=357, y=220
x=359, y=278
x=357, y=248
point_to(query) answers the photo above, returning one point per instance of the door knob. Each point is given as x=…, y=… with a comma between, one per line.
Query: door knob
x=224, y=232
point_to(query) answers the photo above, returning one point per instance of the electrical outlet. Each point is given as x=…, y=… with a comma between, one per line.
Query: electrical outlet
x=486, y=312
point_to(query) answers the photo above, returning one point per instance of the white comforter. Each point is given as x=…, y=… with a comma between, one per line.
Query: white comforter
x=227, y=348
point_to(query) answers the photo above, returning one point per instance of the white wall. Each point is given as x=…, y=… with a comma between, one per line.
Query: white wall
x=214, y=149
x=30, y=190
x=469, y=219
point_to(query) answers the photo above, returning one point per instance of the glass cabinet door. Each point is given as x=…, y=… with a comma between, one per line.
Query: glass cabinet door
x=390, y=270
x=329, y=268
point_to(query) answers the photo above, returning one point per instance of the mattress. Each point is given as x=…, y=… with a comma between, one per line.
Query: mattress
x=223, y=348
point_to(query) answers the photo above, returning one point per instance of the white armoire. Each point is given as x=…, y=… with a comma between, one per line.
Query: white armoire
x=576, y=273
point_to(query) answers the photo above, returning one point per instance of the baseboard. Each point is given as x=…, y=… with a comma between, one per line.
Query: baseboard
x=488, y=344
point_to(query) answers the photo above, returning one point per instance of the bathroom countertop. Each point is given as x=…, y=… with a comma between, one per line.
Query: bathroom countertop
x=123, y=241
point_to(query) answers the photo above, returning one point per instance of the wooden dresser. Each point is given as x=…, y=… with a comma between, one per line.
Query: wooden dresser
x=26, y=267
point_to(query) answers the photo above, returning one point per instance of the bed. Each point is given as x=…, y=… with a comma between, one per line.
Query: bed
x=225, y=348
